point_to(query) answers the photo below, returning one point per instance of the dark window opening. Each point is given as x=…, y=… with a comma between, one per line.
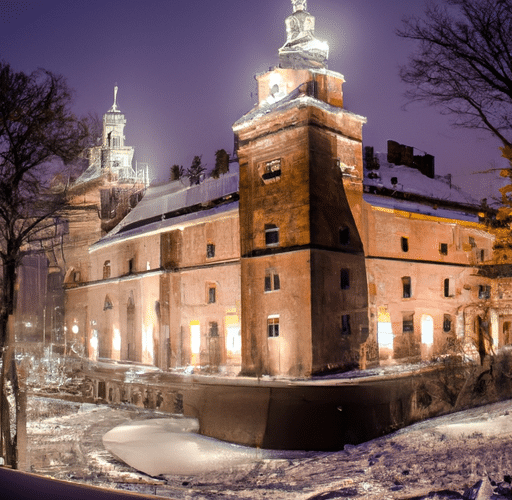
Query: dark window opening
x=472, y=242
x=271, y=235
x=345, y=324
x=443, y=248
x=273, y=327
x=408, y=323
x=212, y=292
x=345, y=279
x=344, y=236
x=131, y=266
x=210, y=250
x=482, y=255
x=272, y=282
x=406, y=287
x=484, y=292
x=447, y=323
x=405, y=244
x=214, y=329
x=447, y=287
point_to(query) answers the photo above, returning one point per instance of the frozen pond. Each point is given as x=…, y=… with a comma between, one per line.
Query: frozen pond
x=172, y=446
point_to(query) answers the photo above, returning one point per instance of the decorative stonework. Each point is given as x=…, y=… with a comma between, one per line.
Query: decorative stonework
x=302, y=49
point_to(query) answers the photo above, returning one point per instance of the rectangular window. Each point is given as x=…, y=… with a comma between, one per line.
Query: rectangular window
x=131, y=266
x=344, y=236
x=405, y=244
x=447, y=291
x=345, y=279
x=210, y=250
x=214, y=329
x=273, y=327
x=482, y=255
x=406, y=287
x=76, y=276
x=345, y=324
x=272, y=170
x=472, y=242
x=407, y=322
x=271, y=235
x=443, y=248
x=212, y=292
x=484, y=292
x=272, y=282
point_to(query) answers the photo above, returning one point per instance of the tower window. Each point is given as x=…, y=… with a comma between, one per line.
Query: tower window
x=345, y=324
x=273, y=326
x=131, y=266
x=271, y=171
x=443, y=248
x=271, y=235
x=344, y=236
x=345, y=279
x=210, y=251
x=405, y=244
x=484, y=292
x=406, y=287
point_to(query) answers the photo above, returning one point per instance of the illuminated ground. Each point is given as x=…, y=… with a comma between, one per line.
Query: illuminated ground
x=447, y=453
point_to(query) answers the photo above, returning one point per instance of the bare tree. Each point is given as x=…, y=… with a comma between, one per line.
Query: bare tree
x=463, y=62
x=38, y=133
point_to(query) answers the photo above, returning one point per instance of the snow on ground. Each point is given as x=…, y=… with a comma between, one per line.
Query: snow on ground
x=449, y=454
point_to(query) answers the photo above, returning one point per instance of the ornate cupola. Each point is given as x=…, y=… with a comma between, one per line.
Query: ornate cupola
x=302, y=49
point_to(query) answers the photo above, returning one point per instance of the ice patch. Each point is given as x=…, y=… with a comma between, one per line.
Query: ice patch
x=172, y=446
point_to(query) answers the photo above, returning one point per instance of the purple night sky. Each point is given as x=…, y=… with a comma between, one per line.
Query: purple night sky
x=185, y=72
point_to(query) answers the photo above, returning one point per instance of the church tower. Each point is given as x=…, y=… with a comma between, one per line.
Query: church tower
x=113, y=156
x=303, y=279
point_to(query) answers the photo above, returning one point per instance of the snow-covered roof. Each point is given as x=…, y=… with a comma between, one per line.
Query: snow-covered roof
x=412, y=181
x=176, y=204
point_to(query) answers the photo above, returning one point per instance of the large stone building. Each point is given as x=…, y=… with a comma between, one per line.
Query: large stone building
x=312, y=257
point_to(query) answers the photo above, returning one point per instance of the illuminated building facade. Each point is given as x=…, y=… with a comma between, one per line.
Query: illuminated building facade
x=313, y=257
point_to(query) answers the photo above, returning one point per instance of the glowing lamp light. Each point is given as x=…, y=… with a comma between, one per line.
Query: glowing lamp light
x=94, y=342
x=75, y=329
x=116, y=341
x=384, y=329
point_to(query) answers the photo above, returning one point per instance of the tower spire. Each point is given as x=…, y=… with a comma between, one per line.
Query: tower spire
x=114, y=107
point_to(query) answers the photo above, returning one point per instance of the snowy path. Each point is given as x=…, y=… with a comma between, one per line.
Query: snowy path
x=447, y=453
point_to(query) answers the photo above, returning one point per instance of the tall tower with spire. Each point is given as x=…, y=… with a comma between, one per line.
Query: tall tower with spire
x=115, y=156
x=303, y=278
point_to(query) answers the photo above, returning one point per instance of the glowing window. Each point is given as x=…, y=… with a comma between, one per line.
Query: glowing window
x=195, y=337
x=427, y=329
x=273, y=327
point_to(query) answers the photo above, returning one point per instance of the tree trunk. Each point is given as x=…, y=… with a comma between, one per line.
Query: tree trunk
x=9, y=389
x=9, y=392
